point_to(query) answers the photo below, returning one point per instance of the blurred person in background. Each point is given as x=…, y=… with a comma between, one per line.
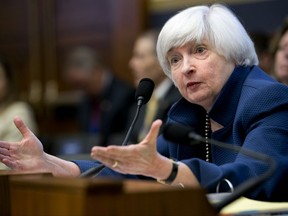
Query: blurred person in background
x=144, y=63
x=261, y=42
x=279, y=50
x=103, y=107
x=11, y=106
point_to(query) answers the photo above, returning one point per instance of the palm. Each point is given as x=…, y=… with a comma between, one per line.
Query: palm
x=30, y=149
x=132, y=159
x=26, y=154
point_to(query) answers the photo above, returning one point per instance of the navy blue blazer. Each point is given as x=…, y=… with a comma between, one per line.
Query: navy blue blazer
x=253, y=108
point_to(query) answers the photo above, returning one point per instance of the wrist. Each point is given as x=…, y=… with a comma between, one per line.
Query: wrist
x=172, y=176
x=160, y=168
x=59, y=167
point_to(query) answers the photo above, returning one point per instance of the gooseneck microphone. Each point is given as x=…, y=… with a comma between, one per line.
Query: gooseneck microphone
x=184, y=135
x=142, y=95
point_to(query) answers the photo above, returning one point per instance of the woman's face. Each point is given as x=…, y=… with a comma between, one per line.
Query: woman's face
x=144, y=62
x=281, y=60
x=199, y=72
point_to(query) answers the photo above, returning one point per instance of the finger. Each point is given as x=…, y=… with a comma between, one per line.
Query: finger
x=108, y=155
x=4, y=145
x=24, y=130
x=154, y=131
x=4, y=151
x=98, y=153
x=9, y=163
x=106, y=160
x=112, y=163
x=111, y=152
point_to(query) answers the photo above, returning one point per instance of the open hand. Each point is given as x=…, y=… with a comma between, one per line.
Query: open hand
x=26, y=154
x=140, y=159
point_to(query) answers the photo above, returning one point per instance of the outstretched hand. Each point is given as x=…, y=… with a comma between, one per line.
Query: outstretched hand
x=142, y=159
x=26, y=154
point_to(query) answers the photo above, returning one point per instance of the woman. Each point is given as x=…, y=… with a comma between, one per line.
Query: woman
x=211, y=59
x=10, y=106
x=279, y=50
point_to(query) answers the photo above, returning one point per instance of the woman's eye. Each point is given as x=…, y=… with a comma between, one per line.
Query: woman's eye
x=173, y=60
x=200, y=49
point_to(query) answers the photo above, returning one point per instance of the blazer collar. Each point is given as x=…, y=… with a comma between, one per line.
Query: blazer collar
x=224, y=109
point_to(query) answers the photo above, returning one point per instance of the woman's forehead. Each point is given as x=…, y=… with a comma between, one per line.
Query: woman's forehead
x=190, y=44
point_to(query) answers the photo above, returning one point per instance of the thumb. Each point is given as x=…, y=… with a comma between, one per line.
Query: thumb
x=24, y=130
x=154, y=131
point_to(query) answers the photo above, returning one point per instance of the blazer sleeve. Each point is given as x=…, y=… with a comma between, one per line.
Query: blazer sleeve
x=260, y=125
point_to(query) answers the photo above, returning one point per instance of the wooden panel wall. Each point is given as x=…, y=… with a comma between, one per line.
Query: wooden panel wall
x=14, y=44
x=36, y=34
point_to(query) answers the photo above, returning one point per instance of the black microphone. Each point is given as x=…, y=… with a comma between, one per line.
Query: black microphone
x=184, y=135
x=144, y=91
x=142, y=95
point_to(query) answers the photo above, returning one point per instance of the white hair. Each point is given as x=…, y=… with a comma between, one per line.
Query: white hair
x=216, y=24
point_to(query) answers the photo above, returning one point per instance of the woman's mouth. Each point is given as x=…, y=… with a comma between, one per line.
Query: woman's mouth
x=193, y=85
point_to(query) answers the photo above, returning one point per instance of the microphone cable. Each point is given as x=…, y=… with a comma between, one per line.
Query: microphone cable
x=183, y=135
x=142, y=95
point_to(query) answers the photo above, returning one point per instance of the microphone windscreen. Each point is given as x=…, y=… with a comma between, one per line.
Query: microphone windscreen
x=144, y=90
x=177, y=133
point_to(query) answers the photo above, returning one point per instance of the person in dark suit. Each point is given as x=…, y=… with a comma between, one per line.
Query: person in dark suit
x=144, y=63
x=102, y=109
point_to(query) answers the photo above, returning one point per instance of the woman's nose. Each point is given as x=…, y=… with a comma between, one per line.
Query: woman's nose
x=188, y=65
